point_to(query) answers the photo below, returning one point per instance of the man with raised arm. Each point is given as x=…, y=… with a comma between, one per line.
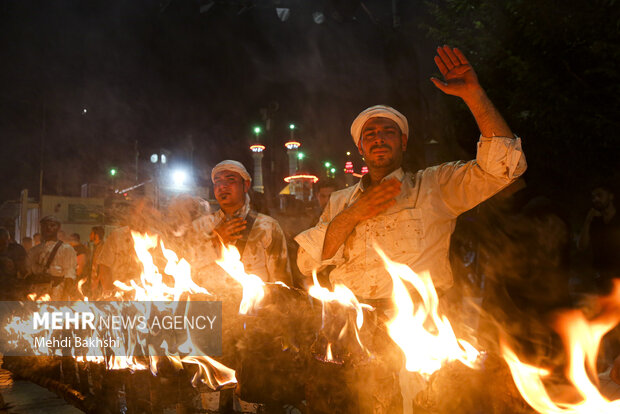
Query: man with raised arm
x=409, y=215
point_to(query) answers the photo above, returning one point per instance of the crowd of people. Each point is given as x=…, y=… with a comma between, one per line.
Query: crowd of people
x=410, y=215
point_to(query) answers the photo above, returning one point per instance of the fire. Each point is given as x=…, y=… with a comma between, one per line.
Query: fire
x=581, y=338
x=151, y=286
x=342, y=297
x=253, y=286
x=425, y=349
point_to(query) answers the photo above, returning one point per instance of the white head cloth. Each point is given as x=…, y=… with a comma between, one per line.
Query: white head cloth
x=231, y=165
x=378, y=111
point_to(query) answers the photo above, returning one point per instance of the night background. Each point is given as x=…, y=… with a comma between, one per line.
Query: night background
x=83, y=84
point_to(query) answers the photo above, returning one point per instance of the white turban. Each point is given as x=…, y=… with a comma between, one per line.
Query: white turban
x=378, y=111
x=231, y=165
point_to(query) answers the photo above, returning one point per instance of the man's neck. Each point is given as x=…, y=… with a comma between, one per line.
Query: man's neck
x=230, y=211
x=378, y=174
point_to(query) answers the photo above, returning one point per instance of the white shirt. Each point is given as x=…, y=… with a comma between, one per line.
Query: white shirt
x=63, y=264
x=265, y=253
x=416, y=230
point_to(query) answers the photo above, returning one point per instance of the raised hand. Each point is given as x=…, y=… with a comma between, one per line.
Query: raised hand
x=230, y=231
x=459, y=76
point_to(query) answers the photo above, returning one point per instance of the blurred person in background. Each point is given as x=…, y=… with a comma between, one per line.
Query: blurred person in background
x=27, y=243
x=96, y=237
x=324, y=189
x=81, y=253
x=13, y=266
x=53, y=263
x=117, y=259
x=600, y=235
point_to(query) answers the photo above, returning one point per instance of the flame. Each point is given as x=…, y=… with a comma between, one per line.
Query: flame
x=149, y=287
x=581, y=338
x=253, y=286
x=343, y=297
x=328, y=353
x=425, y=350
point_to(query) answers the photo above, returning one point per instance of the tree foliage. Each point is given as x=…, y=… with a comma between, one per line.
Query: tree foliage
x=553, y=69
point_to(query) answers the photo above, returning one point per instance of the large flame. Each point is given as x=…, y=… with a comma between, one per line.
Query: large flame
x=581, y=338
x=253, y=286
x=426, y=338
x=151, y=286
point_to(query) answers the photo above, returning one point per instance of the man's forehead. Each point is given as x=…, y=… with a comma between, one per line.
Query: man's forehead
x=379, y=121
x=601, y=190
x=226, y=174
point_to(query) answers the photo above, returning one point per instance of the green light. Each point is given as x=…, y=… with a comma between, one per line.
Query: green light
x=328, y=164
x=257, y=130
x=300, y=156
x=292, y=126
x=333, y=170
x=112, y=172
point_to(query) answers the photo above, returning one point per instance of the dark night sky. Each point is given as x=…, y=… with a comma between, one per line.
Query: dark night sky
x=168, y=77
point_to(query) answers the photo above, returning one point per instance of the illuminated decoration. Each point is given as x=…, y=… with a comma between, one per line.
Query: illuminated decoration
x=154, y=158
x=333, y=170
x=292, y=126
x=292, y=145
x=314, y=178
x=364, y=170
x=257, y=130
x=257, y=156
x=163, y=158
x=356, y=175
x=327, y=164
x=300, y=156
x=348, y=152
x=113, y=171
x=348, y=167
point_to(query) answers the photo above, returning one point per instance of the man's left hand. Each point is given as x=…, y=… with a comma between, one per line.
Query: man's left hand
x=460, y=77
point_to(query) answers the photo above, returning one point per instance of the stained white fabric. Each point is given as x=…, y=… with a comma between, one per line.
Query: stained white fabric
x=416, y=230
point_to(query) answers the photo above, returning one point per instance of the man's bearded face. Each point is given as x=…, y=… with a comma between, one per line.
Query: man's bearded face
x=601, y=198
x=229, y=188
x=382, y=143
x=49, y=229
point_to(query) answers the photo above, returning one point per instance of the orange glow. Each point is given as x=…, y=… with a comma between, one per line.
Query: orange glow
x=257, y=148
x=314, y=178
x=345, y=298
x=253, y=286
x=149, y=289
x=425, y=336
x=581, y=338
